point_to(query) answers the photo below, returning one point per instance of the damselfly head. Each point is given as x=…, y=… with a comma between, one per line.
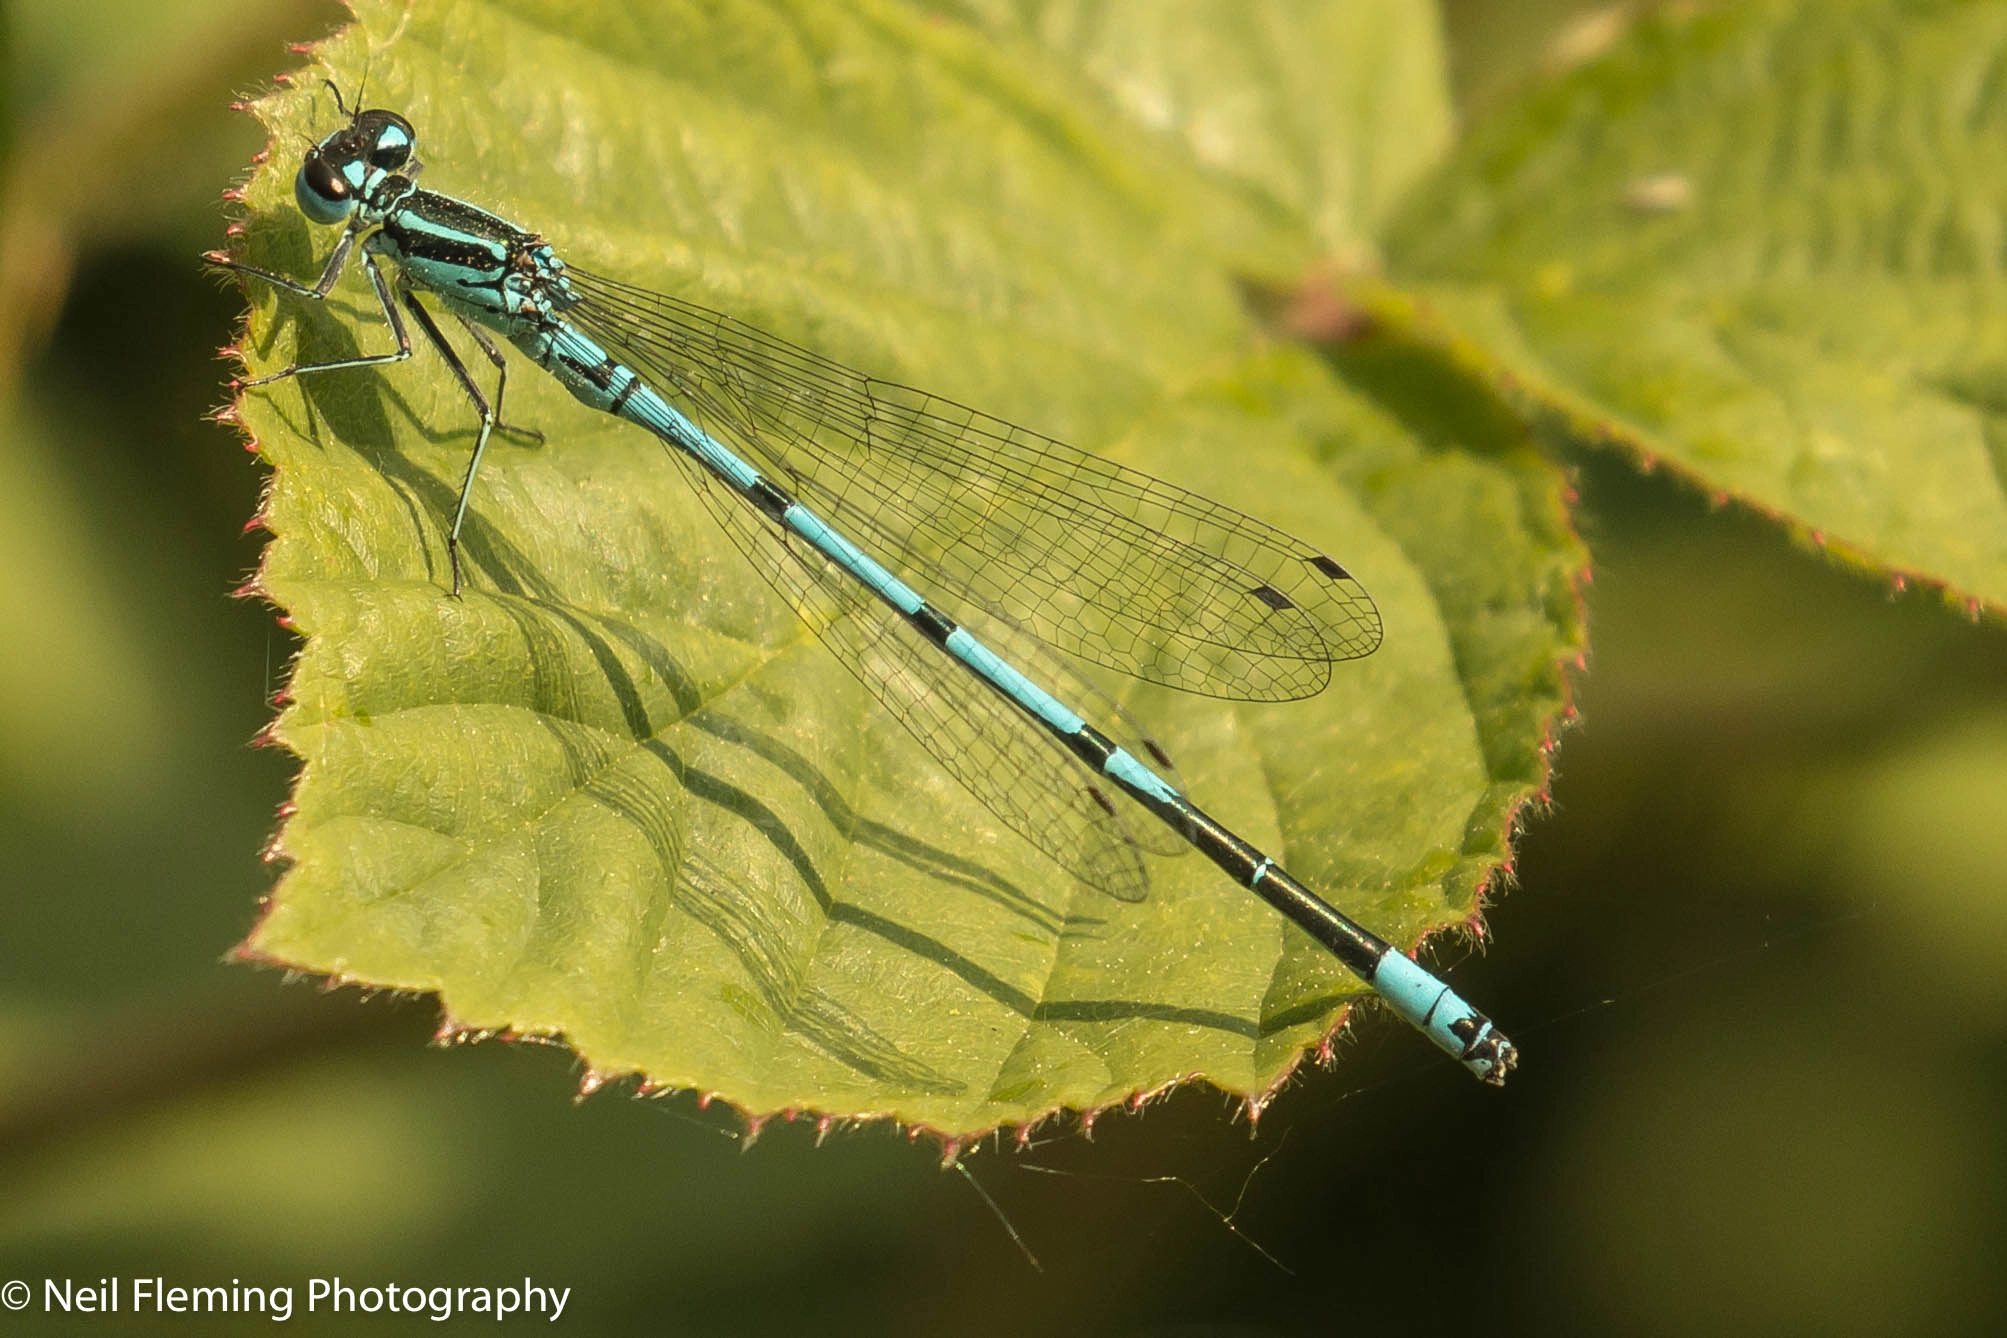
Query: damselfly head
x=338, y=174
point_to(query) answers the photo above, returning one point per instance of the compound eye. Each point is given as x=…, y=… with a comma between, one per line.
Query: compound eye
x=394, y=141
x=324, y=195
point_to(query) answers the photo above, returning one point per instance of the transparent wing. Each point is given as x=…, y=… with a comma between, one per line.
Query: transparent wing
x=1056, y=674
x=1104, y=562
x=1000, y=755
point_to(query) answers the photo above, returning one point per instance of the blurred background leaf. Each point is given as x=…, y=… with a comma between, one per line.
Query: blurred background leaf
x=1762, y=244
x=1754, y=953
x=1324, y=114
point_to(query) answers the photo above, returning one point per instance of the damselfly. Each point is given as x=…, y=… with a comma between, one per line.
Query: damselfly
x=839, y=486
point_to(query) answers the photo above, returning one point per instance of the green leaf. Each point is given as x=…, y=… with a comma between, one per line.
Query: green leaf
x=1323, y=113
x=1764, y=244
x=620, y=795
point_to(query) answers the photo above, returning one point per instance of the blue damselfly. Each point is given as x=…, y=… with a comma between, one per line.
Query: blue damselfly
x=839, y=487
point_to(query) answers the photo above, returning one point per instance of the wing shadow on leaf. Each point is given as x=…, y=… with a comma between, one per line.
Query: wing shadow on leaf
x=930, y=860
x=715, y=902
x=555, y=675
x=951, y=870
x=1132, y=1010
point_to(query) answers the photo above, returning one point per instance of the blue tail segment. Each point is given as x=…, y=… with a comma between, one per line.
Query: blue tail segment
x=851, y=495
x=1440, y=1013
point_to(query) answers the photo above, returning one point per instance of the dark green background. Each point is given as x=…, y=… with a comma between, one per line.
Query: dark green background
x=1757, y=960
